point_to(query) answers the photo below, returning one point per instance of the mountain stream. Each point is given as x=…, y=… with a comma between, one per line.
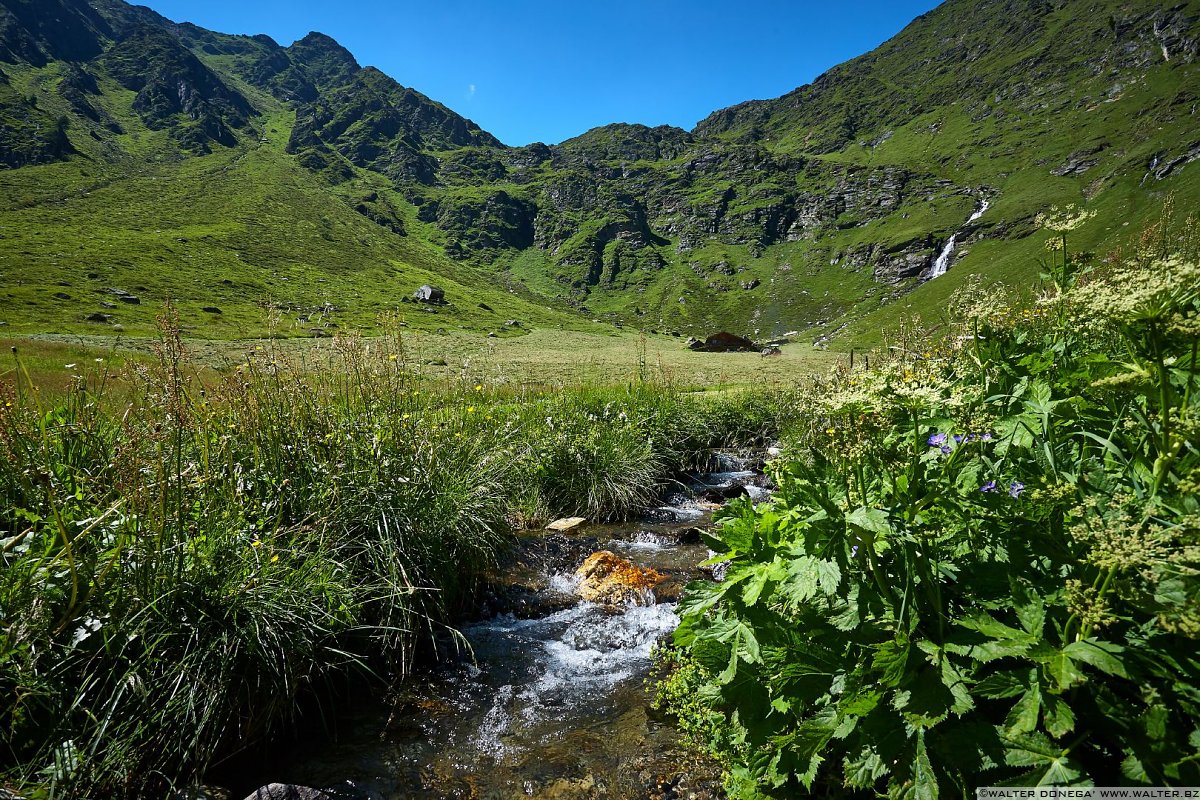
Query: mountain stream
x=553, y=703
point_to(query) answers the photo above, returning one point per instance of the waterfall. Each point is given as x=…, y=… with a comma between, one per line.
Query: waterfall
x=942, y=263
x=1150, y=170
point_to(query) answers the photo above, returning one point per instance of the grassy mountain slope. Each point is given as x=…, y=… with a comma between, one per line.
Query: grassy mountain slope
x=193, y=195
x=231, y=172
x=1051, y=103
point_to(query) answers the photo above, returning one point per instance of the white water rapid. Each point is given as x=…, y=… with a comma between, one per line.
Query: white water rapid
x=943, y=260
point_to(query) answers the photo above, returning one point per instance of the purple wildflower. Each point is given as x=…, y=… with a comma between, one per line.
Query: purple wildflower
x=990, y=486
x=947, y=449
x=987, y=437
x=958, y=438
x=854, y=551
x=1015, y=488
x=937, y=440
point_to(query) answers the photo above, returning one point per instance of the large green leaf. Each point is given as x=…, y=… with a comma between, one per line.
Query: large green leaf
x=1023, y=718
x=1060, y=719
x=1030, y=608
x=804, y=747
x=1102, y=655
x=806, y=576
x=762, y=576
x=959, y=689
x=921, y=782
x=1052, y=766
x=1059, y=665
x=999, y=640
x=1006, y=683
x=925, y=701
x=891, y=659
x=864, y=770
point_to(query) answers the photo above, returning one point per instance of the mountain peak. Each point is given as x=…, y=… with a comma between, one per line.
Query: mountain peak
x=326, y=62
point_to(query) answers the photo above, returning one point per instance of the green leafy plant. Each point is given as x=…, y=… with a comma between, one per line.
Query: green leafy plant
x=982, y=566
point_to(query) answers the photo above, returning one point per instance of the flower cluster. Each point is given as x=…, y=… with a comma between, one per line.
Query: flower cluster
x=942, y=441
x=1063, y=219
x=1014, y=489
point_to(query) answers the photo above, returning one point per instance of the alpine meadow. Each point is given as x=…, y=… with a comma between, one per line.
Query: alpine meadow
x=846, y=445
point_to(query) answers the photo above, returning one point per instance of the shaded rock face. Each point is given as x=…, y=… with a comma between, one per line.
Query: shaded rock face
x=176, y=91
x=29, y=135
x=39, y=31
x=497, y=221
x=374, y=122
x=608, y=579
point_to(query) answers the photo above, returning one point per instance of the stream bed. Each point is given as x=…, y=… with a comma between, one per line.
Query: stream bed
x=553, y=703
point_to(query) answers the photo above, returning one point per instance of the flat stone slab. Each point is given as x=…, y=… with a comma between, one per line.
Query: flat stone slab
x=566, y=524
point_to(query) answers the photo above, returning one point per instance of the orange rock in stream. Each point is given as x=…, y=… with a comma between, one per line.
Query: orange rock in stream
x=608, y=579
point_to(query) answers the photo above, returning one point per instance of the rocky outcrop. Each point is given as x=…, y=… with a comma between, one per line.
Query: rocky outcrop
x=28, y=134
x=498, y=220
x=430, y=294
x=373, y=121
x=175, y=91
x=51, y=30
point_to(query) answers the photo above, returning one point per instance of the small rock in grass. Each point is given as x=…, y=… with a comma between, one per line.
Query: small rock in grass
x=566, y=523
x=98, y=317
x=133, y=300
x=211, y=310
x=430, y=294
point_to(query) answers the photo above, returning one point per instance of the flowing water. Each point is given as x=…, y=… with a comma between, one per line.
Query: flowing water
x=942, y=263
x=553, y=703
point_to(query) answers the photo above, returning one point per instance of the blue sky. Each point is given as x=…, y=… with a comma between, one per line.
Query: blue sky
x=537, y=70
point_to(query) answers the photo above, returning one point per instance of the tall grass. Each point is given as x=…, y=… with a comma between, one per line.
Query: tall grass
x=182, y=561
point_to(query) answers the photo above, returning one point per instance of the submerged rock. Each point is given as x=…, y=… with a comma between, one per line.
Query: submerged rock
x=608, y=579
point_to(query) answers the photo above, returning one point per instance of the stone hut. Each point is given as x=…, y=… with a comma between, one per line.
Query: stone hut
x=725, y=342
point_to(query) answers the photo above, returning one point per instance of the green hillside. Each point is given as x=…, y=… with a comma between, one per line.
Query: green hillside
x=233, y=173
